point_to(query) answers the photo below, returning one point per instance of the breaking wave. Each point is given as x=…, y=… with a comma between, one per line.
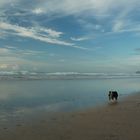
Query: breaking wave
x=6, y=75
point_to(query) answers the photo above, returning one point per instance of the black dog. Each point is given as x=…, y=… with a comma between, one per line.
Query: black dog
x=113, y=95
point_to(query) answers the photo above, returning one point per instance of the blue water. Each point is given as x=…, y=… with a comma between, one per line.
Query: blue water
x=27, y=97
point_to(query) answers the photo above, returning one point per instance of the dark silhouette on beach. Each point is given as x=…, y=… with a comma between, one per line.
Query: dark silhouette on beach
x=113, y=95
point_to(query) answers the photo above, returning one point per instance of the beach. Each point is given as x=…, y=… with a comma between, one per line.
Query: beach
x=114, y=121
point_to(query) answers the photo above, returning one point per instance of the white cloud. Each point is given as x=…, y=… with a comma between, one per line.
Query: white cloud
x=33, y=33
x=37, y=34
x=79, y=39
x=118, y=26
x=81, y=6
x=50, y=32
x=93, y=8
x=79, y=47
x=38, y=11
x=125, y=26
x=118, y=11
x=90, y=26
x=10, y=47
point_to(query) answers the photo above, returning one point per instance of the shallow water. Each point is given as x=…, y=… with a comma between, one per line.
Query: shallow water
x=21, y=98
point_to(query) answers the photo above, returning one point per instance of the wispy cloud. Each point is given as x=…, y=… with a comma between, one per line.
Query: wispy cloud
x=123, y=27
x=37, y=11
x=52, y=33
x=118, y=26
x=80, y=47
x=33, y=33
x=37, y=33
x=79, y=7
x=73, y=7
x=117, y=12
x=79, y=39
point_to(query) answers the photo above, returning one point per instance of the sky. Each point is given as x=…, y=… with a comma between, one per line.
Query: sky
x=70, y=35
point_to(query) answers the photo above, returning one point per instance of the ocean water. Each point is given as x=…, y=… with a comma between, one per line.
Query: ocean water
x=26, y=97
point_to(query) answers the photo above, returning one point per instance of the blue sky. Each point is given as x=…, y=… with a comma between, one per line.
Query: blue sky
x=70, y=35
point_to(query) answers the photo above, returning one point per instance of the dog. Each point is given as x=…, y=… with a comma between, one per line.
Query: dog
x=113, y=95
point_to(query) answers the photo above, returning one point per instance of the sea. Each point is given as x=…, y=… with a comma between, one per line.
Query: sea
x=21, y=98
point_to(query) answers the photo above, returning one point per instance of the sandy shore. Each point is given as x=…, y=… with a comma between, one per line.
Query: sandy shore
x=117, y=121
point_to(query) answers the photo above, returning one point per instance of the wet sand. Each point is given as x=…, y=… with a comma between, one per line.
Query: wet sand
x=115, y=121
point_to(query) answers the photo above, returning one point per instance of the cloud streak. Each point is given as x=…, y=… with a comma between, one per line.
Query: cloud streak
x=79, y=7
x=116, y=12
x=79, y=39
x=37, y=33
x=33, y=33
